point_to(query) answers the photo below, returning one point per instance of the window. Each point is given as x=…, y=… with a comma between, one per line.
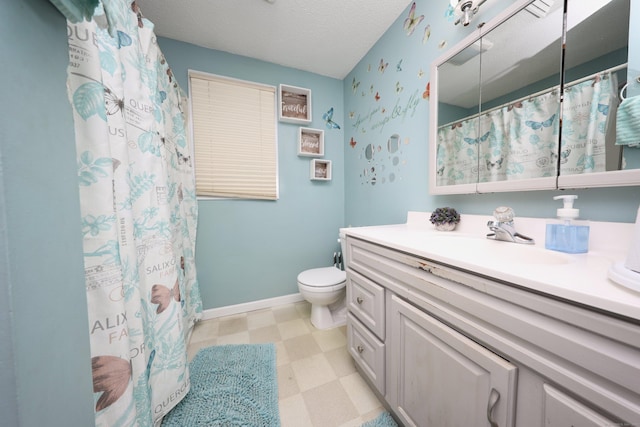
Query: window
x=235, y=138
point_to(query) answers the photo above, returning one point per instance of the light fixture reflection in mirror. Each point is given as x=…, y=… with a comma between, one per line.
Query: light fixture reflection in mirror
x=465, y=9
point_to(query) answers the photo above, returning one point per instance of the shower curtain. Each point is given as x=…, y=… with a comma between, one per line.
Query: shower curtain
x=139, y=213
x=523, y=141
x=519, y=140
x=588, y=109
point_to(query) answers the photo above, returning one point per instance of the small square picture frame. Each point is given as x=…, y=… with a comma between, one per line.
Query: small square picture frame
x=310, y=142
x=320, y=170
x=295, y=104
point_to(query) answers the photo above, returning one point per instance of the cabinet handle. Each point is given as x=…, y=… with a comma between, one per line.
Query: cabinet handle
x=360, y=349
x=494, y=396
x=359, y=300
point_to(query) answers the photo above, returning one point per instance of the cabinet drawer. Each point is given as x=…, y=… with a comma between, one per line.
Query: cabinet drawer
x=367, y=351
x=562, y=410
x=365, y=300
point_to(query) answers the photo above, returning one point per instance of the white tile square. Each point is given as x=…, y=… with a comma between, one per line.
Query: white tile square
x=239, y=338
x=205, y=330
x=260, y=319
x=313, y=371
x=360, y=394
x=330, y=339
x=293, y=328
x=293, y=412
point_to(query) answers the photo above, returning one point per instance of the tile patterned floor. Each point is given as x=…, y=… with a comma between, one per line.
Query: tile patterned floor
x=318, y=384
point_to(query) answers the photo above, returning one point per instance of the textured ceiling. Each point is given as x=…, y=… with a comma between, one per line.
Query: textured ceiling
x=327, y=37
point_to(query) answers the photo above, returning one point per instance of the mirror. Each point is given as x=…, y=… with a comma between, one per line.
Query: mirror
x=597, y=56
x=458, y=129
x=496, y=100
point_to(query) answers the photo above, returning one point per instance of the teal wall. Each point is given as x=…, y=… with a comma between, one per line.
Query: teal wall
x=45, y=357
x=252, y=250
x=401, y=109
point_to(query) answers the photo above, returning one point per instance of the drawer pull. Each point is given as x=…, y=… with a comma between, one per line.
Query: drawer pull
x=360, y=349
x=494, y=396
x=359, y=300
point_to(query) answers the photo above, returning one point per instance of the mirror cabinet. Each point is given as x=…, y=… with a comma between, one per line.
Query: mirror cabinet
x=513, y=108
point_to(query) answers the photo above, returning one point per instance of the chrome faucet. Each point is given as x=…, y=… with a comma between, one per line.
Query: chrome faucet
x=504, y=228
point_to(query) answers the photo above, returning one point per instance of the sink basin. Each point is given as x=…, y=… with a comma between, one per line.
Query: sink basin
x=495, y=251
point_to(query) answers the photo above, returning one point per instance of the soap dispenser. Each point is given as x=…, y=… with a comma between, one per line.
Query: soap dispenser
x=566, y=234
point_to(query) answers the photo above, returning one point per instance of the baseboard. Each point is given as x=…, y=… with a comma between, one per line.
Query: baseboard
x=229, y=310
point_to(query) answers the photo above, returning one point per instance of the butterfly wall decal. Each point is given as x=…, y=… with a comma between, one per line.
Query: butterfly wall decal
x=328, y=119
x=353, y=143
x=111, y=376
x=383, y=65
x=427, y=91
x=411, y=22
x=540, y=125
x=427, y=34
x=377, y=96
x=162, y=296
x=354, y=85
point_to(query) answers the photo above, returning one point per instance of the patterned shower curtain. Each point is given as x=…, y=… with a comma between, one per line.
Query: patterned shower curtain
x=514, y=141
x=139, y=214
x=588, y=109
x=523, y=140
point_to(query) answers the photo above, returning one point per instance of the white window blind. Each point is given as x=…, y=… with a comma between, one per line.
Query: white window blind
x=234, y=135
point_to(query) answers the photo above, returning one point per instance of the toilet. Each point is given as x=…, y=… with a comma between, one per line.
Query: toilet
x=325, y=289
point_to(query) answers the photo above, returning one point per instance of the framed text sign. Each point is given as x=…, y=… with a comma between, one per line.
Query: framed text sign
x=321, y=170
x=295, y=104
x=310, y=142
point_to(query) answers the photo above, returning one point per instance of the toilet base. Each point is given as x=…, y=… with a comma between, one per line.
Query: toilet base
x=329, y=316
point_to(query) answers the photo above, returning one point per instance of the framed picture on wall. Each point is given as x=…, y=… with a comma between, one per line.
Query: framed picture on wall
x=310, y=142
x=295, y=104
x=321, y=170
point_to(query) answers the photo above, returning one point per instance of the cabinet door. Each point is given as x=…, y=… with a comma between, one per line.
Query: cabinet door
x=439, y=377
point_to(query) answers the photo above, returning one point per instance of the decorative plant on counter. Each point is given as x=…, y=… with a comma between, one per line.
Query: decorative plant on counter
x=445, y=218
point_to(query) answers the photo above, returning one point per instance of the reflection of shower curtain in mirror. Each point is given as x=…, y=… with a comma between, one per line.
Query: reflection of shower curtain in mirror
x=587, y=109
x=522, y=141
x=457, y=156
x=516, y=141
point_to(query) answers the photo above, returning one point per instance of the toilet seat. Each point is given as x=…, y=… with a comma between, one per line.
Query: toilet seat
x=322, y=277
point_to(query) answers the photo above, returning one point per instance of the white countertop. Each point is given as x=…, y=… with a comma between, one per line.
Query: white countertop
x=582, y=278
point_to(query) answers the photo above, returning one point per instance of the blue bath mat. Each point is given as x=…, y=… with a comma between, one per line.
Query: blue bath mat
x=231, y=385
x=383, y=420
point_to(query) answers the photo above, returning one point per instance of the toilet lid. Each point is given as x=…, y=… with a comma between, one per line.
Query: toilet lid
x=327, y=276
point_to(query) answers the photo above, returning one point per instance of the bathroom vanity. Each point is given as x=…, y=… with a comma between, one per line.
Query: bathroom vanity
x=453, y=329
